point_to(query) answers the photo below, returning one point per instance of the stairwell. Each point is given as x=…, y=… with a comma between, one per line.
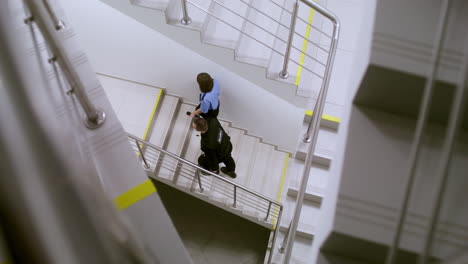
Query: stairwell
x=170, y=119
x=261, y=167
x=249, y=38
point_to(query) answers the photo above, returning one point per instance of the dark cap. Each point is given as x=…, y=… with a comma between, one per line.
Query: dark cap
x=205, y=82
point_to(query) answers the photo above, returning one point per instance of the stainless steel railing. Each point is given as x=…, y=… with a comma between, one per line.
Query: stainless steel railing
x=312, y=131
x=177, y=169
x=51, y=27
x=311, y=135
x=317, y=71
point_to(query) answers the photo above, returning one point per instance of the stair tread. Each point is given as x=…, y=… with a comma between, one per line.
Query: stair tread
x=225, y=33
x=271, y=185
x=316, y=184
x=244, y=161
x=262, y=28
x=163, y=120
x=258, y=175
x=177, y=139
x=192, y=153
x=325, y=147
x=308, y=220
x=160, y=5
x=260, y=167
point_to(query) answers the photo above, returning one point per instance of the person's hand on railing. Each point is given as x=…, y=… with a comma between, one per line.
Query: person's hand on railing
x=192, y=115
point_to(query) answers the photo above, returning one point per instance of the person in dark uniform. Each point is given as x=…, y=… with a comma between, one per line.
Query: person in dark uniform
x=209, y=97
x=216, y=146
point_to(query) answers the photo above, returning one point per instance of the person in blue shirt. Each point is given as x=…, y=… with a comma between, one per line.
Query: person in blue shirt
x=209, y=97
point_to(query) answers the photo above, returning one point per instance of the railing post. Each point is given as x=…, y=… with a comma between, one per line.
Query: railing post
x=59, y=25
x=275, y=234
x=197, y=174
x=282, y=247
x=142, y=155
x=268, y=211
x=186, y=20
x=307, y=136
x=292, y=29
x=315, y=125
x=39, y=13
x=235, y=197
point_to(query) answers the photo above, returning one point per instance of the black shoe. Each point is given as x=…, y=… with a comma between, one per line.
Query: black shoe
x=231, y=174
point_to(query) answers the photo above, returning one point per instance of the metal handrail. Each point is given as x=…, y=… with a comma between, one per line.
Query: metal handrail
x=287, y=26
x=420, y=127
x=262, y=43
x=189, y=174
x=272, y=34
x=202, y=169
x=289, y=12
x=311, y=135
x=312, y=131
x=49, y=24
x=276, y=212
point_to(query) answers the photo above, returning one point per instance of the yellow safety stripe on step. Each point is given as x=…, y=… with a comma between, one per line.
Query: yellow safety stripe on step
x=304, y=45
x=280, y=191
x=324, y=117
x=135, y=194
x=153, y=112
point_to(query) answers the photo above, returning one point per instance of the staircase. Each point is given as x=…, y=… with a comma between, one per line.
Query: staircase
x=256, y=32
x=266, y=176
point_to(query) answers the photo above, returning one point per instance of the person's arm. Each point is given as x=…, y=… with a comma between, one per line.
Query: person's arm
x=196, y=112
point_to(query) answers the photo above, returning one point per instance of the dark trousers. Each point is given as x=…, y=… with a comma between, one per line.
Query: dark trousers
x=228, y=161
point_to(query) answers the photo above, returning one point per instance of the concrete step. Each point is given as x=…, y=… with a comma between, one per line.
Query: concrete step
x=159, y=5
x=226, y=32
x=317, y=182
x=258, y=174
x=255, y=47
x=191, y=153
x=162, y=123
x=177, y=138
x=308, y=219
x=325, y=146
x=247, y=149
x=274, y=177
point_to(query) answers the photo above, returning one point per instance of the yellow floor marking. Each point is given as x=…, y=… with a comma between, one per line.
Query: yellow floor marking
x=134, y=195
x=153, y=113
x=280, y=191
x=304, y=45
x=324, y=117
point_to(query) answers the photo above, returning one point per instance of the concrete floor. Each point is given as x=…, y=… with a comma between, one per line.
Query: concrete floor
x=213, y=235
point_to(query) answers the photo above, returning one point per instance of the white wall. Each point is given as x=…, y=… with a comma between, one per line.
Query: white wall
x=405, y=31
x=377, y=155
x=361, y=56
x=120, y=46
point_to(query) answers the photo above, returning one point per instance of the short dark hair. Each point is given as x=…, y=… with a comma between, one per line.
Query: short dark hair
x=200, y=124
x=205, y=82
